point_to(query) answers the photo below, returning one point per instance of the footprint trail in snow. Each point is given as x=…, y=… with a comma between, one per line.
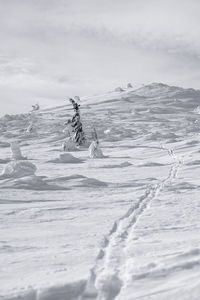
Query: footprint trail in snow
x=109, y=274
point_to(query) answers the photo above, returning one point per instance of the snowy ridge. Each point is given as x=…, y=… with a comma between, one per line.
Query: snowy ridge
x=160, y=89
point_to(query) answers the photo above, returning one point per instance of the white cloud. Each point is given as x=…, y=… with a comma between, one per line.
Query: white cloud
x=63, y=47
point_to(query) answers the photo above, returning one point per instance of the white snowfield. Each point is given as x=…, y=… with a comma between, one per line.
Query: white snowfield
x=125, y=226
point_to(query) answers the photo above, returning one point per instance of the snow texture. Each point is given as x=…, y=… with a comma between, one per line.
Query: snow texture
x=123, y=227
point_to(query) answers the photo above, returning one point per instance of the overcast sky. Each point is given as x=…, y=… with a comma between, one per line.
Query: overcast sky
x=52, y=49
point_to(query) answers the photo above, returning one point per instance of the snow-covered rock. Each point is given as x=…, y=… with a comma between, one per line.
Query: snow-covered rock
x=66, y=158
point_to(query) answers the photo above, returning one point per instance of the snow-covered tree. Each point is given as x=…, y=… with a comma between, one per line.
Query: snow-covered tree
x=35, y=107
x=16, y=151
x=94, y=149
x=78, y=133
x=69, y=145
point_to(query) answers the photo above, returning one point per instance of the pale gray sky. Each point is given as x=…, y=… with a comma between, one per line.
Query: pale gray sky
x=52, y=49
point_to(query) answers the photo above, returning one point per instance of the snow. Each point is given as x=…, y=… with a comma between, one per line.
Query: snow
x=95, y=150
x=67, y=158
x=122, y=227
x=16, y=151
x=69, y=145
x=18, y=169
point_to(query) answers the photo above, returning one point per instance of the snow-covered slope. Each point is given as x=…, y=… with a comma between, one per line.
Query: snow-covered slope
x=125, y=226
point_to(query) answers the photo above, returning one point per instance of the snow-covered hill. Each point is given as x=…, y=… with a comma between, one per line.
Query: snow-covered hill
x=122, y=227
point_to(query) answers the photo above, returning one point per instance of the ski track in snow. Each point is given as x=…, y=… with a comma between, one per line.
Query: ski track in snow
x=109, y=274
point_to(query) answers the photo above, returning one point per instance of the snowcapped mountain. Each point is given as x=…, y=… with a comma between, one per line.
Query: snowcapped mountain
x=122, y=227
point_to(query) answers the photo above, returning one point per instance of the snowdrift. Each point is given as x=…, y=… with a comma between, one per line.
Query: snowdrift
x=16, y=169
x=67, y=158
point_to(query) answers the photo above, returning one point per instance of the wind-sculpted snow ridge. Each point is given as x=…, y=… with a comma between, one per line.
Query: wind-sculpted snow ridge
x=109, y=274
x=30, y=183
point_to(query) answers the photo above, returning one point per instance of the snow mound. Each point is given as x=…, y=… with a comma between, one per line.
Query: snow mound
x=32, y=182
x=74, y=181
x=69, y=145
x=16, y=169
x=122, y=165
x=119, y=89
x=67, y=158
x=92, y=182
